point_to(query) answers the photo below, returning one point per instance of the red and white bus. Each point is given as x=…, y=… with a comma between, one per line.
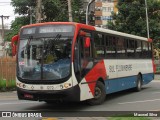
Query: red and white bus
x=77, y=62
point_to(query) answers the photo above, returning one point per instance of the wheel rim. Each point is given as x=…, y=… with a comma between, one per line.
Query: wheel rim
x=98, y=93
x=139, y=84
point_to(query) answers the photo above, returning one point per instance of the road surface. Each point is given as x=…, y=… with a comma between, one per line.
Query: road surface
x=146, y=100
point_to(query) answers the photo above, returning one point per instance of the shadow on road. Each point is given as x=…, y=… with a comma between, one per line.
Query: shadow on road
x=79, y=106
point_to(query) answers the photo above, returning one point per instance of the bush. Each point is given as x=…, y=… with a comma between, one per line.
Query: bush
x=4, y=87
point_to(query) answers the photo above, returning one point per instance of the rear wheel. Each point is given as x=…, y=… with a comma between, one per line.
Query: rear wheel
x=139, y=83
x=99, y=95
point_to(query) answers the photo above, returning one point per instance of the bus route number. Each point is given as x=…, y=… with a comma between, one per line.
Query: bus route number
x=50, y=87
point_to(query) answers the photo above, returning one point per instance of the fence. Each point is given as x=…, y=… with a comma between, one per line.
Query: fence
x=7, y=70
x=157, y=64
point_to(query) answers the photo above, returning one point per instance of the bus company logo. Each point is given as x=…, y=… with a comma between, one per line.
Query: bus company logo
x=6, y=114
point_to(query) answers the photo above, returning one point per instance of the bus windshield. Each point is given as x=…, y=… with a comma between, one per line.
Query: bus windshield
x=46, y=58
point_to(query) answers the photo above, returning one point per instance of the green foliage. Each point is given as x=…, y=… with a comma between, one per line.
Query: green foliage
x=52, y=10
x=16, y=25
x=78, y=14
x=131, y=18
x=55, y=10
x=22, y=6
x=129, y=118
x=11, y=85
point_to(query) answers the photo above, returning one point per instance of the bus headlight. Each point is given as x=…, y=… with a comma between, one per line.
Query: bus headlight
x=67, y=85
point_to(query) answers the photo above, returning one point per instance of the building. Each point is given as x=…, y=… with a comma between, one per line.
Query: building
x=103, y=10
x=2, y=44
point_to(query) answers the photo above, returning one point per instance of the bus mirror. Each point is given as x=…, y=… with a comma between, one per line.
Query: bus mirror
x=87, y=42
x=13, y=44
x=82, y=33
x=149, y=40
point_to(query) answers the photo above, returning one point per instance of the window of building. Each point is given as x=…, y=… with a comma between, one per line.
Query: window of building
x=98, y=8
x=98, y=18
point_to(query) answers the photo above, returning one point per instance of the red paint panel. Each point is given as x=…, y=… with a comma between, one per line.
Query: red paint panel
x=150, y=40
x=98, y=71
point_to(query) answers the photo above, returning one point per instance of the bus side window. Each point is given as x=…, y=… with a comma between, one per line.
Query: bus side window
x=130, y=48
x=120, y=45
x=99, y=46
x=145, y=49
x=150, y=50
x=138, y=49
x=110, y=47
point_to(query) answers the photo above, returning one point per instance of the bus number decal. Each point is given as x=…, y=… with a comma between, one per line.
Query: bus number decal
x=50, y=87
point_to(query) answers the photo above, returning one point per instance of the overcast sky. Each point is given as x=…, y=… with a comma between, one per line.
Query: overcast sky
x=7, y=10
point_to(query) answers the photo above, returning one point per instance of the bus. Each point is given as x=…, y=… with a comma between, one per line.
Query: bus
x=76, y=62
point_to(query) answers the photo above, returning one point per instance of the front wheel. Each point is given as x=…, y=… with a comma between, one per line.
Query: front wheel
x=99, y=95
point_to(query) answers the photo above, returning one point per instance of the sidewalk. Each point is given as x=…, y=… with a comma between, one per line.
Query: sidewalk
x=157, y=76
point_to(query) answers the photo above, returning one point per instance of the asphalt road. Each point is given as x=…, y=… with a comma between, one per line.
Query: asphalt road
x=146, y=100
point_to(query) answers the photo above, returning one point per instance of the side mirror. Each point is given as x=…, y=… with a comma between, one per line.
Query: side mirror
x=150, y=40
x=13, y=44
x=87, y=42
x=82, y=33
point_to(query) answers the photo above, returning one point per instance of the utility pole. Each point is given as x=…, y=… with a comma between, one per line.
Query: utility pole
x=147, y=19
x=30, y=14
x=38, y=11
x=2, y=18
x=70, y=11
x=87, y=10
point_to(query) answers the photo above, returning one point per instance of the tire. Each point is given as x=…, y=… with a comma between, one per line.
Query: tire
x=138, y=83
x=100, y=94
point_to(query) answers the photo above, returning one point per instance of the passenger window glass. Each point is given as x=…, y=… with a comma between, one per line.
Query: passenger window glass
x=99, y=45
x=110, y=47
x=120, y=45
x=130, y=48
x=138, y=49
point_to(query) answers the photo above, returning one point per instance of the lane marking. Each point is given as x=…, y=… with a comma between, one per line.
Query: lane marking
x=140, y=101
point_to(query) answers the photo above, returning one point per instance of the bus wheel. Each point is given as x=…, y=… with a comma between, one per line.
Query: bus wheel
x=100, y=94
x=139, y=83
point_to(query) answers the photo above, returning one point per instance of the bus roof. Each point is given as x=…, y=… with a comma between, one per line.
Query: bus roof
x=84, y=26
x=120, y=34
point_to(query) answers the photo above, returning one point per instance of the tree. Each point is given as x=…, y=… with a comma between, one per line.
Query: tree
x=16, y=25
x=131, y=18
x=52, y=10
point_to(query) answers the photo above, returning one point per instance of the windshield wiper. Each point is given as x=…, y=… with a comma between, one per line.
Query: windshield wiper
x=51, y=41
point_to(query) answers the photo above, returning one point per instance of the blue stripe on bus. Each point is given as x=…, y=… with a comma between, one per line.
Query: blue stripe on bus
x=118, y=84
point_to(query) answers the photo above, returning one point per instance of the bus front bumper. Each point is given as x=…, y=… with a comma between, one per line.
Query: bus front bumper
x=71, y=94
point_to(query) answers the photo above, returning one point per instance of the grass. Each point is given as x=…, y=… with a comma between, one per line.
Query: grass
x=128, y=118
x=4, y=87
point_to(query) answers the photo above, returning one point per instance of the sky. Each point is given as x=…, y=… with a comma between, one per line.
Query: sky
x=7, y=10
